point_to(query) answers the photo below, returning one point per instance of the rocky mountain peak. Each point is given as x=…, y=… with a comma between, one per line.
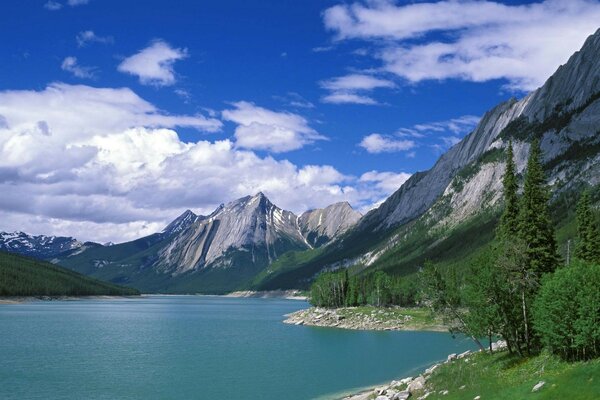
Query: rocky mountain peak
x=180, y=223
x=37, y=246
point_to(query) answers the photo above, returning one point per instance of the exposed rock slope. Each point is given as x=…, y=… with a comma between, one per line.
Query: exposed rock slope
x=466, y=181
x=322, y=225
x=213, y=253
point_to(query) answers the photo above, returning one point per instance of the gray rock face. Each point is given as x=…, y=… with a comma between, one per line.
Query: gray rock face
x=320, y=226
x=181, y=223
x=571, y=87
x=40, y=246
x=251, y=224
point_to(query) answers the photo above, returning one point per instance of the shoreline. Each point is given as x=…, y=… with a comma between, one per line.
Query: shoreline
x=31, y=299
x=367, y=318
x=270, y=294
x=409, y=387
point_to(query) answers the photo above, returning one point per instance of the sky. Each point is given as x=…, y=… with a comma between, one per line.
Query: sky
x=118, y=115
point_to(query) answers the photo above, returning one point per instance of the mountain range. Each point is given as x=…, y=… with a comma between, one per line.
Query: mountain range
x=445, y=214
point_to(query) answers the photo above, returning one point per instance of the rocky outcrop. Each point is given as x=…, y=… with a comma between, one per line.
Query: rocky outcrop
x=320, y=226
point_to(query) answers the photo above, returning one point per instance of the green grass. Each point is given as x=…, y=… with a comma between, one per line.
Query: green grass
x=24, y=276
x=502, y=376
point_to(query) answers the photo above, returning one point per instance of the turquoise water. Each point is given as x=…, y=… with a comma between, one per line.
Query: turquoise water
x=195, y=347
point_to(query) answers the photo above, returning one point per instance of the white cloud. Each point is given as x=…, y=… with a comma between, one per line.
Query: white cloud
x=263, y=129
x=387, y=181
x=154, y=64
x=70, y=64
x=350, y=89
x=376, y=143
x=348, y=98
x=480, y=40
x=438, y=134
x=52, y=5
x=356, y=82
x=55, y=5
x=103, y=164
x=86, y=37
x=295, y=100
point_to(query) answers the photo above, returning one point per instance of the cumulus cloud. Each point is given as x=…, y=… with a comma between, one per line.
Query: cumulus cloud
x=86, y=37
x=376, y=143
x=476, y=40
x=154, y=64
x=103, y=164
x=351, y=89
x=74, y=3
x=263, y=129
x=71, y=65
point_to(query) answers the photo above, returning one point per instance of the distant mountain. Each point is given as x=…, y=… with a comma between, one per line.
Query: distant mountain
x=449, y=211
x=216, y=253
x=320, y=226
x=40, y=246
x=24, y=276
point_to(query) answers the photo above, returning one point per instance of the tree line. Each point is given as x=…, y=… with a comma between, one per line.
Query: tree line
x=520, y=289
x=339, y=289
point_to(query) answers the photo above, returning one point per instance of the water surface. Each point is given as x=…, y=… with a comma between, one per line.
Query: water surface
x=195, y=347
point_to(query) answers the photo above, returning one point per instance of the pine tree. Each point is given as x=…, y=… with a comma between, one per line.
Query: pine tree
x=588, y=246
x=510, y=217
x=535, y=225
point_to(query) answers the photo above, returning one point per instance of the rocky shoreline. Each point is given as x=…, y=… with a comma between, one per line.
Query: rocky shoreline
x=415, y=387
x=270, y=294
x=367, y=318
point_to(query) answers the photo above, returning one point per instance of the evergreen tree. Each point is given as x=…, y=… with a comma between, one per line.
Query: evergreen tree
x=588, y=246
x=535, y=226
x=510, y=217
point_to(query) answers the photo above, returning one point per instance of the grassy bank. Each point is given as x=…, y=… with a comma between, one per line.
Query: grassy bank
x=502, y=376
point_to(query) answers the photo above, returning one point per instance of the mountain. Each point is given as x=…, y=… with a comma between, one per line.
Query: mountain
x=449, y=211
x=25, y=276
x=320, y=226
x=216, y=253
x=40, y=246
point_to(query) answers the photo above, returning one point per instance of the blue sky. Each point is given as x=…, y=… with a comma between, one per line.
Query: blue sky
x=115, y=116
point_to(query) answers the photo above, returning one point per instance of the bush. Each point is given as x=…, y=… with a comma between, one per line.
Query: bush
x=567, y=312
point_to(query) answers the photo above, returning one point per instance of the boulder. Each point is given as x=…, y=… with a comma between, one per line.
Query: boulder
x=404, y=395
x=430, y=370
x=538, y=386
x=416, y=384
x=382, y=398
x=499, y=345
x=406, y=381
x=451, y=357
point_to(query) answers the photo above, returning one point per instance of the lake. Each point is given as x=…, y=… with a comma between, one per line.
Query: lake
x=196, y=347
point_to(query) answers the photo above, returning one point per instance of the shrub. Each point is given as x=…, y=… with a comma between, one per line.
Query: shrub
x=567, y=312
